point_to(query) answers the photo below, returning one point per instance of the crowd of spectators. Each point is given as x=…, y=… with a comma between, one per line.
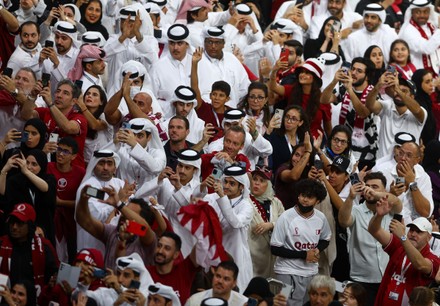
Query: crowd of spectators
x=215, y=152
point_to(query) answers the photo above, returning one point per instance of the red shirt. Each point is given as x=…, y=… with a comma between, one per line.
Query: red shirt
x=323, y=114
x=52, y=127
x=412, y=278
x=6, y=43
x=180, y=278
x=207, y=114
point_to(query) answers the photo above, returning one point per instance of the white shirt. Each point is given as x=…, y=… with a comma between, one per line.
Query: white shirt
x=166, y=75
x=235, y=217
x=297, y=233
x=99, y=211
x=368, y=260
x=392, y=123
x=228, y=69
x=423, y=184
x=21, y=58
x=145, y=52
x=418, y=45
x=358, y=42
x=89, y=80
x=318, y=21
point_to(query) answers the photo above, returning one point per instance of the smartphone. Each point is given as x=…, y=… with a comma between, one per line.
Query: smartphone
x=398, y=217
x=354, y=178
x=346, y=66
x=136, y=228
x=286, y=290
x=53, y=137
x=48, y=44
x=16, y=151
x=24, y=136
x=252, y=302
x=99, y=273
x=8, y=72
x=336, y=26
x=45, y=78
x=279, y=113
x=217, y=173
x=318, y=164
x=299, y=3
x=284, y=55
x=391, y=69
x=135, y=284
x=79, y=83
x=400, y=180
x=95, y=193
x=275, y=285
x=125, y=125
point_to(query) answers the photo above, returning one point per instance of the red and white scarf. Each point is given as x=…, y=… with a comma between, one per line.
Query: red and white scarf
x=425, y=57
x=347, y=107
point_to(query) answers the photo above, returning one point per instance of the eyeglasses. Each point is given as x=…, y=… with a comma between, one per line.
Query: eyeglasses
x=341, y=141
x=214, y=42
x=63, y=151
x=291, y=119
x=259, y=98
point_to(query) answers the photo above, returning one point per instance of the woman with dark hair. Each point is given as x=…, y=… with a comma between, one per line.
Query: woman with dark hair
x=422, y=78
x=354, y=295
x=375, y=54
x=99, y=132
x=35, y=129
x=305, y=92
x=255, y=104
x=339, y=144
x=33, y=186
x=400, y=58
x=91, y=17
x=328, y=40
x=296, y=169
x=291, y=131
x=23, y=293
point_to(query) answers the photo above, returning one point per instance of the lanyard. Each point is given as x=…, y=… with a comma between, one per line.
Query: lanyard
x=237, y=202
x=216, y=117
x=404, y=269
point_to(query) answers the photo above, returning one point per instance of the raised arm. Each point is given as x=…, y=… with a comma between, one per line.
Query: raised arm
x=383, y=207
x=344, y=215
x=85, y=219
x=196, y=57
x=272, y=84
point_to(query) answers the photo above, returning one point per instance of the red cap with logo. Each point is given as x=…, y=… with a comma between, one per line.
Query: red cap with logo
x=24, y=212
x=90, y=256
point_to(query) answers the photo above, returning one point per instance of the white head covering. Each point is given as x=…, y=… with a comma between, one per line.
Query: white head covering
x=164, y=291
x=93, y=38
x=141, y=124
x=66, y=28
x=147, y=24
x=240, y=175
x=135, y=68
x=135, y=262
x=419, y=4
x=184, y=94
x=332, y=63
x=76, y=11
x=178, y=32
x=191, y=157
x=213, y=32
x=96, y=157
x=375, y=8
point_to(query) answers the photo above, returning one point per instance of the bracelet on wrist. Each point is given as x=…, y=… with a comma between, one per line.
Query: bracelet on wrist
x=83, y=110
x=120, y=206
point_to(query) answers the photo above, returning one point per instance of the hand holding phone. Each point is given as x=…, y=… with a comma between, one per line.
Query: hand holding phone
x=95, y=193
x=136, y=229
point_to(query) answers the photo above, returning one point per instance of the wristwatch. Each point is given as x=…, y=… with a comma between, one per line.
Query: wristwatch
x=413, y=186
x=120, y=206
x=403, y=238
x=14, y=93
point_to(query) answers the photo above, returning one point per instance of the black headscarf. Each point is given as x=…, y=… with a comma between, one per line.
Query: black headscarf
x=432, y=156
x=424, y=99
x=377, y=72
x=97, y=26
x=41, y=159
x=41, y=128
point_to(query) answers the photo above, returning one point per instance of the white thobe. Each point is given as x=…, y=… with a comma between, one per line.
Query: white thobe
x=21, y=58
x=358, y=42
x=228, y=69
x=166, y=75
x=318, y=21
x=235, y=218
x=99, y=211
x=418, y=45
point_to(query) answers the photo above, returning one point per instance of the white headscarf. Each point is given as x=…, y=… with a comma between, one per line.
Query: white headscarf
x=94, y=160
x=242, y=179
x=135, y=262
x=147, y=24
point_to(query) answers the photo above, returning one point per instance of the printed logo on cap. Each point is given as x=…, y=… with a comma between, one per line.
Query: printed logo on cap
x=339, y=161
x=21, y=208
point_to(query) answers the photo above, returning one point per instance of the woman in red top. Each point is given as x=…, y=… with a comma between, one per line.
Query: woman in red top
x=305, y=92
